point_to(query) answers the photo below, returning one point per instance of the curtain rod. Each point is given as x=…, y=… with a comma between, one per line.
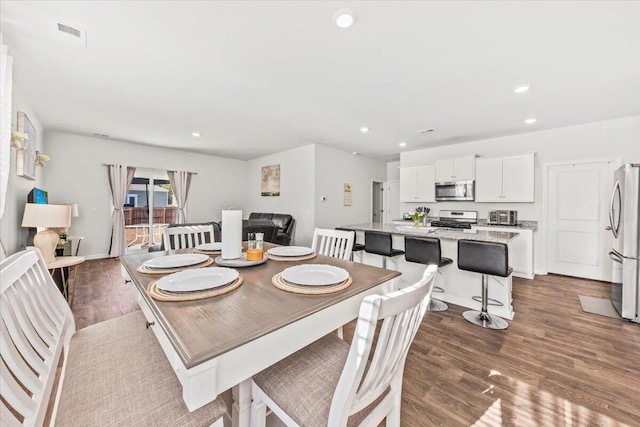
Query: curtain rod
x=146, y=167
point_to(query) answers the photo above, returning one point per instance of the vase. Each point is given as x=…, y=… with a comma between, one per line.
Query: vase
x=416, y=223
x=59, y=251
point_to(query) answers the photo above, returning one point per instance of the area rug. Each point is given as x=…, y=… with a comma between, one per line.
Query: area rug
x=601, y=306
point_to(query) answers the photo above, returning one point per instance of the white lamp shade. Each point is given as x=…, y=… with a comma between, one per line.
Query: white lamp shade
x=42, y=215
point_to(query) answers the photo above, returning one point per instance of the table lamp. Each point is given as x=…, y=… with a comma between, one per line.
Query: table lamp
x=43, y=216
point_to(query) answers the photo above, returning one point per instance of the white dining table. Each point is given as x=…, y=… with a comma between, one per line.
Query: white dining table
x=218, y=343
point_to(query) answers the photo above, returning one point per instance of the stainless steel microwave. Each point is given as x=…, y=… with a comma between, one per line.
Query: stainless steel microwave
x=458, y=190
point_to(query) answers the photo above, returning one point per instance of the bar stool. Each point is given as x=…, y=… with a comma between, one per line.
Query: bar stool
x=379, y=243
x=426, y=250
x=357, y=247
x=490, y=259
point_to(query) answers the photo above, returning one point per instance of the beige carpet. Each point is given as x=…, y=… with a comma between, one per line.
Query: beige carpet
x=601, y=306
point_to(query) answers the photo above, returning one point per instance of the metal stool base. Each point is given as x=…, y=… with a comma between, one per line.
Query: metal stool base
x=437, y=305
x=485, y=320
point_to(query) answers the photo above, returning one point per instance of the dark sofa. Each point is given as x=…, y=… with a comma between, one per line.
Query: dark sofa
x=284, y=222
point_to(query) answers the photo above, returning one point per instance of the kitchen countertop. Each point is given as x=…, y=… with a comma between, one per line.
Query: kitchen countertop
x=523, y=225
x=441, y=233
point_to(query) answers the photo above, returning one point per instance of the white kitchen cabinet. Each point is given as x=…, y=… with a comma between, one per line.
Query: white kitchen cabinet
x=459, y=169
x=417, y=184
x=505, y=179
x=521, y=255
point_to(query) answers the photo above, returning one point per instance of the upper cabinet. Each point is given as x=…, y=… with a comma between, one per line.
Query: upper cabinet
x=460, y=169
x=417, y=184
x=505, y=179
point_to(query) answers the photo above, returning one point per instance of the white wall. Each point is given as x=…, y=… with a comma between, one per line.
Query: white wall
x=12, y=234
x=297, y=189
x=393, y=171
x=75, y=175
x=333, y=169
x=618, y=138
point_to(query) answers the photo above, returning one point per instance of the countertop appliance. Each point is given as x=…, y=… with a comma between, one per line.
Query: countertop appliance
x=458, y=190
x=456, y=219
x=624, y=223
x=503, y=217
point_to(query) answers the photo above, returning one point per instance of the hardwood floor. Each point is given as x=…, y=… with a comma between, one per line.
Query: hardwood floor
x=554, y=366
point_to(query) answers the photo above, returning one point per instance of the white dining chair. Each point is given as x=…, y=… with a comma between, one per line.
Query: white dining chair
x=113, y=373
x=333, y=243
x=187, y=236
x=332, y=383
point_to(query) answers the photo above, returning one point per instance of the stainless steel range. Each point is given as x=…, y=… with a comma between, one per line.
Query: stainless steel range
x=456, y=219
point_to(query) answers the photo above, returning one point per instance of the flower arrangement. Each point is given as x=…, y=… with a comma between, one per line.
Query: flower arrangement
x=41, y=159
x=18, y=140
x=417, y=218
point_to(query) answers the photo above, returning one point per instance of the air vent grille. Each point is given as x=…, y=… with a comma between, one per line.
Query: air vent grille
x=69, y=30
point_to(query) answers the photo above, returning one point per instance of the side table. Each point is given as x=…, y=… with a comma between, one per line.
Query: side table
x=62, y=262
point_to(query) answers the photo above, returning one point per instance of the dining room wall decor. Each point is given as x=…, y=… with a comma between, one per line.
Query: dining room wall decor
x=26, y=156
x=270, y=185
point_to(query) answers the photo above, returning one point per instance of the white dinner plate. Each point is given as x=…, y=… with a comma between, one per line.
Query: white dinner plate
x=197, y=280
x=290, y=251
x=315, y=275
x=175, y=261
x=213, y=246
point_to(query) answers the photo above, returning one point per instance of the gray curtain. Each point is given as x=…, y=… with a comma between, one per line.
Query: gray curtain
x=180, y=183
x=120, y=178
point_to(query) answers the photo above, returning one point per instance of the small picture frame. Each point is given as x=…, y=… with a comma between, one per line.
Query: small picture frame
x=26, y=157
x=270, y=185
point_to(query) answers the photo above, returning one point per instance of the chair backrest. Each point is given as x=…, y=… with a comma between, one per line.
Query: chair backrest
x=37, y=324
x=378, y=242
x=423, y=250
x=333, y=243
x=402, y=312
x=187, y=236
x=484, y=257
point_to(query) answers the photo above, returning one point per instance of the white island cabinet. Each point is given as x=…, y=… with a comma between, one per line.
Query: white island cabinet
x=505, y=179
x=459, y=286
x=417, y=184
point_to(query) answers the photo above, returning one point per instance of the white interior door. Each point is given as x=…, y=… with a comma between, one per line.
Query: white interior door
x=577, y=208
x=391, y=201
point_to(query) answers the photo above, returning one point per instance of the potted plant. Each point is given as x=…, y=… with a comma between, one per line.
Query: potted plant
x=417, y=218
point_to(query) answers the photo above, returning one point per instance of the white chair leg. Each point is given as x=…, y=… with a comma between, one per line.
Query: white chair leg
x=258, y=408
x=340, y=332
x=393, y=418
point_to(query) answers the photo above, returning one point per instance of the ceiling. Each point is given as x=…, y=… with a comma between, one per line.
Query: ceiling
x=259, y=77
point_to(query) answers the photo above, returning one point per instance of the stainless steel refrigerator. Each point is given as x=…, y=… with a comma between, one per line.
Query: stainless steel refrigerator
x=624, y=218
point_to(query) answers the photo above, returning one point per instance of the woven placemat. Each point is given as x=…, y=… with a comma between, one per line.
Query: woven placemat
x=202, y=251
x=291, y=258
x=155, y=271
x=160, y=295
x=280, y=283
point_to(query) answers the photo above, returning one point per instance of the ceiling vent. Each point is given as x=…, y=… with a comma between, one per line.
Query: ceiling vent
x=70, y=33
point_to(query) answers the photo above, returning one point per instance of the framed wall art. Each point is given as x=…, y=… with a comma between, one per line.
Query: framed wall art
x=26, y=156
x=270, y=181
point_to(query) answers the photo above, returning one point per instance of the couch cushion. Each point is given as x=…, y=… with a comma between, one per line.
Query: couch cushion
x=260, y=215
x=117, y=374
x=265, y=226
x=282, y=221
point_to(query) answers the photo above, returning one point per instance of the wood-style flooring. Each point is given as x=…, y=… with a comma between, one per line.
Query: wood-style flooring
x=554, y=366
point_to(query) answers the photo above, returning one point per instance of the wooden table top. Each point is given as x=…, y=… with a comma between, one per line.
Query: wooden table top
x=204, y=329
x=65, y=261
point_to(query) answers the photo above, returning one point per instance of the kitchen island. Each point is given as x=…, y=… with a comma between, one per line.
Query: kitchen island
x=459, y=286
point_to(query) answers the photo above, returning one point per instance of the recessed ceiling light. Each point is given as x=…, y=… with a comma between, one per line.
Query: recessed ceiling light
x=521, y=88
x=364, y=129
x=531, y=121
x=344, y=18
x=403, y=144
x=195, y=134
x=355, y=153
